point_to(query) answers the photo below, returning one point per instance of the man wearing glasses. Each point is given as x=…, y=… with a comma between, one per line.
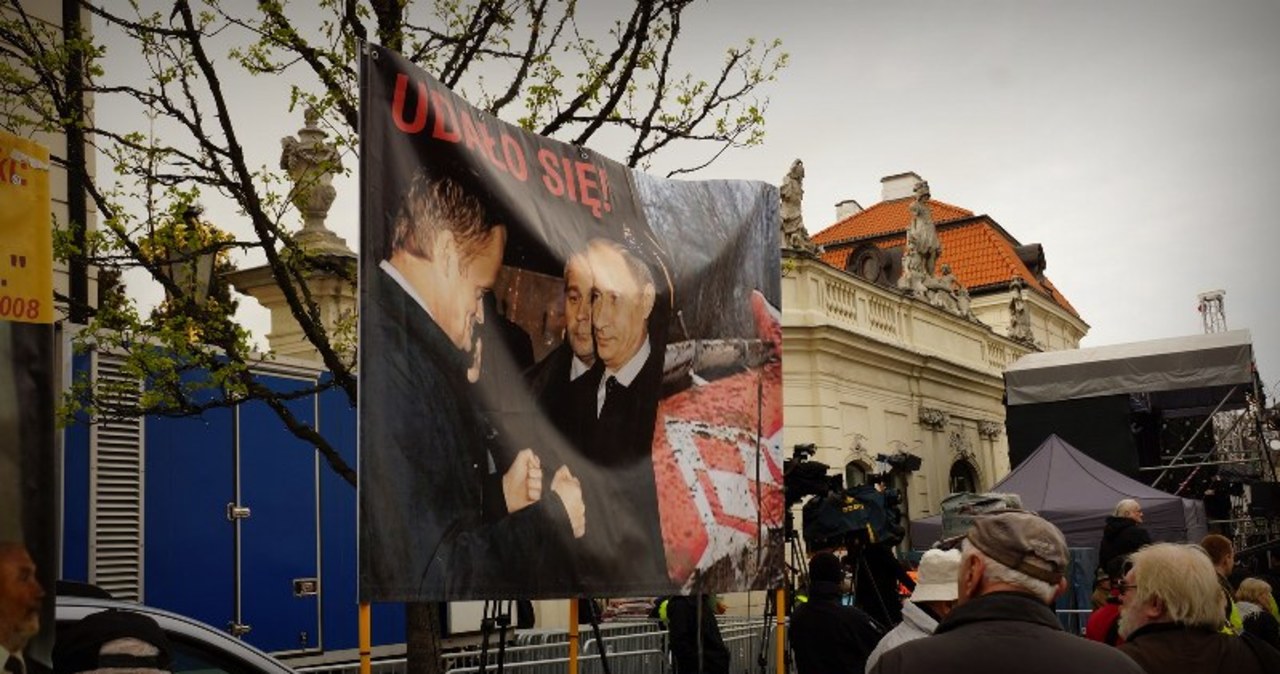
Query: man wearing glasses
x=1171, y=615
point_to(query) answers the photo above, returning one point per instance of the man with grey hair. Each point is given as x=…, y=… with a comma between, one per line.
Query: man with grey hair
x=21, y=598
x=1171, y=614
x=1011, y=570
x=1121, y=536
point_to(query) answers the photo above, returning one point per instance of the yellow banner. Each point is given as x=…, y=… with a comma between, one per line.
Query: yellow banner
x=26, y=232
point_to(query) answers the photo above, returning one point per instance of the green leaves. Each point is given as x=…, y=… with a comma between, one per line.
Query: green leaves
x=533, y=61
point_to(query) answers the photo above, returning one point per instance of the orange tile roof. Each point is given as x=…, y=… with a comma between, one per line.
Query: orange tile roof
x=980, y=252
x=981, y=256
x=837, y=258
x=886, y=217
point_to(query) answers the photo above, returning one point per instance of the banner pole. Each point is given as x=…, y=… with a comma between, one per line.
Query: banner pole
x=573, y=636
x=366, y=638
x=781, y=603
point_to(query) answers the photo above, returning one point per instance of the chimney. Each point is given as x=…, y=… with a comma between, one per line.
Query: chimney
x=898, y=186
x=847, y=208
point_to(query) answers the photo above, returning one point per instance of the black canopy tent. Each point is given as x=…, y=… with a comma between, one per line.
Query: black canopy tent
x=1098, y=398
x=1077, y=493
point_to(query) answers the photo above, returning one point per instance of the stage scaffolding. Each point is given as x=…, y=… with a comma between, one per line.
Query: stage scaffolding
x=1210, y=435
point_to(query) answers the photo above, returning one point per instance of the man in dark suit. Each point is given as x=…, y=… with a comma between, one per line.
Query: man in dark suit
x=625, y=549
x=559, y=380
x=438, y=521
x=21, y=600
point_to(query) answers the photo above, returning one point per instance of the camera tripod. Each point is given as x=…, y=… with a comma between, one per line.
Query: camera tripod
x=795, y=574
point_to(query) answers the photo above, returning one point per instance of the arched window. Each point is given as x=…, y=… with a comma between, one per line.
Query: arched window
x=963, y=477
x=855, y=473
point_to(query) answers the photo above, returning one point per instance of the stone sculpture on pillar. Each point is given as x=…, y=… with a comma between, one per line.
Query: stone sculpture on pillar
x=311, y=164
x=794, y=235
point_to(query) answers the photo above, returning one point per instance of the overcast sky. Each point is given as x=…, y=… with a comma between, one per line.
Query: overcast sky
x=1137, y=141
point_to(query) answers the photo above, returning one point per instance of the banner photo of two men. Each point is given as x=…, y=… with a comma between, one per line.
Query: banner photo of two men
x=570, y=371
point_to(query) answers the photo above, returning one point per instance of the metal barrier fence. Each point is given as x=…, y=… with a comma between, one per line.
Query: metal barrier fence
x=385, y=666
x=634, y=662
x=631, y=647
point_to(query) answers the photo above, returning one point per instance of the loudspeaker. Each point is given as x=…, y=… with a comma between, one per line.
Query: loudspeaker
x=1098, y=426
x=1264, y=499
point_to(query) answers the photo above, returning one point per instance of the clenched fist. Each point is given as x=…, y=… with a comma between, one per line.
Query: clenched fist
x=567, y=487
x=522, y=483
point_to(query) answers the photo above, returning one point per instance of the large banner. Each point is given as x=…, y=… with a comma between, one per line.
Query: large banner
x=570, y=374
x=29, y=494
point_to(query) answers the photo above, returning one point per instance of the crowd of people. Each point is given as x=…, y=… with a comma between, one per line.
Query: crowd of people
x=983, y=602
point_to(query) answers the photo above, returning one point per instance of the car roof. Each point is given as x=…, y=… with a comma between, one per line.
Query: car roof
x=72, y=608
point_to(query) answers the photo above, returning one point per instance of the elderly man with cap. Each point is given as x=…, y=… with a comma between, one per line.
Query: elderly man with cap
x=113, y=641
x=826, y=636
x=1171, y=617
x=1011, y=570
x=932, y=600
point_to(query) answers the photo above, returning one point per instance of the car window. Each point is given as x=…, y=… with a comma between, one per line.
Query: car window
x=195, y=657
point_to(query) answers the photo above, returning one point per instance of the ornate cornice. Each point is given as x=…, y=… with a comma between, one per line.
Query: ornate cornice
x=934, y=419
x=990, y=430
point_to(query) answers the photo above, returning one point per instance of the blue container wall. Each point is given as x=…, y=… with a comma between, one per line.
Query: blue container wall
x=75, y=490
x=338, y=512
x=189, y=562
x=280, y=540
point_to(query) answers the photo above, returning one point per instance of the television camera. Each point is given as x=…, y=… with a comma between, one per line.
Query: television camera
x=836, y=516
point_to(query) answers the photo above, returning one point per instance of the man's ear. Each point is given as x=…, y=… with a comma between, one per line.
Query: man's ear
x=1059, y=589
x=1154, y=608
x=970, y=579
x=647, y=299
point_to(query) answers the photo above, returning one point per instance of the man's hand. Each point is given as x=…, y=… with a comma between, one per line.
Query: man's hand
x=522, y=483
x=567, y=487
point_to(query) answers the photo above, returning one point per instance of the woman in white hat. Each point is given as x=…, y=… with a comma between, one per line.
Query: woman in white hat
x=935, y=594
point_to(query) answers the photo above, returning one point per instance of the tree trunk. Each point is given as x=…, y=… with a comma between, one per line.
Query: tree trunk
x=422, y=634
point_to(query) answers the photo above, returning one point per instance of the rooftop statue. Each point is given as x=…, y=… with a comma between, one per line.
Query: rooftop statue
x=1019, y=313
x=794, y=235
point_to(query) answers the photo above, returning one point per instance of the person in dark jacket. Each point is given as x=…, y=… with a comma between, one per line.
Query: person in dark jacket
x=1011, y=570
x=826, y=636
x=438, y=518
x=1171, y=617
x=1222, y=554
x=694, y=635
x=876, y=575
x=1122, y=535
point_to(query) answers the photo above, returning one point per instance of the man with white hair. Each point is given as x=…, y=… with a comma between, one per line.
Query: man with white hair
x=1171, y=614
x=1121, y=536
x=1011, y=570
